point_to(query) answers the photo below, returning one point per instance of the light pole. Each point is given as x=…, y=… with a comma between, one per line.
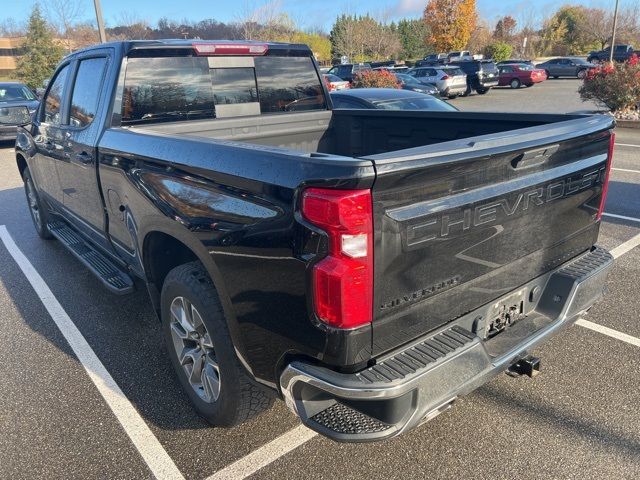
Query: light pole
x=103, y=37
x=613, y=32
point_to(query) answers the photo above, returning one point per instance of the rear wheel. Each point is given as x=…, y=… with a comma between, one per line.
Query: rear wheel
x=515, y=83
x=482, y=91
x=556, y=76
x=581, y=74
x=36, y=208
x=202, y=351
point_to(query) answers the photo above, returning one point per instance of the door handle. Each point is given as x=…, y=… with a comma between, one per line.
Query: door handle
x=83, y=158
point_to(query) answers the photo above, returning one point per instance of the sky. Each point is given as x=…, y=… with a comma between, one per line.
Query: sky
x=306, y=13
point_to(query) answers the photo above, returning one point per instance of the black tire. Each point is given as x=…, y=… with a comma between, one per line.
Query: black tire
x=452, y=96
x=556, y=76
x=515, y=83
x=239, y=397
x=482, y=91
x=38, y=211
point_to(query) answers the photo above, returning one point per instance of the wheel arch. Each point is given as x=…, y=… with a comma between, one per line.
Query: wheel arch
x=21, y=163
x=177, y=247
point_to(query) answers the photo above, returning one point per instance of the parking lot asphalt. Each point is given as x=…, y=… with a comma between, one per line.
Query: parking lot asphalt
x=578, y=419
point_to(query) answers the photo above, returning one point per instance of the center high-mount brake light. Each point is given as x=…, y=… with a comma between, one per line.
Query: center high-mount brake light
x=605, y=181
x=230, y=48
x=343, y=280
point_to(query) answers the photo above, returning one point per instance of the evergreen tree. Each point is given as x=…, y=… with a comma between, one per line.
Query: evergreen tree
x=413, y=37
x=41, y=55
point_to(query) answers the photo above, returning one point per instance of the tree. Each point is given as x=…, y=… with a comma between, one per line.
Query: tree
x=498, y=51
x=42, y=53
x=363, y=38
x=319, y=44
x=505, y=28
x=413, y=36
x=480, y=37
x=450, y=23
x=64, y=14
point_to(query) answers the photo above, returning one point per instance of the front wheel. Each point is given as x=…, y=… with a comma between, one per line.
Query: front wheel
x=581, y=74
x=202, y=352
x=36, y=208
x=515, y=83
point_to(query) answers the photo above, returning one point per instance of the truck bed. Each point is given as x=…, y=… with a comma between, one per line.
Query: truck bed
x=467, y=206
x=354, y=133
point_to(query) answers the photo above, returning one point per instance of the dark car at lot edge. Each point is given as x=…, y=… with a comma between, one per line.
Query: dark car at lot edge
x=566, y=67
x=517, y=74
x=367, y=266
x=621, y=53
x=482, y=75
x=17, y=104
x=389, y=99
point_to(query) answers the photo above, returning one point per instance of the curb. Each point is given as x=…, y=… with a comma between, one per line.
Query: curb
x=635, y=124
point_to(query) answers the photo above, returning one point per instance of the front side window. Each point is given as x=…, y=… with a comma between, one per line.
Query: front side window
x=86, y=90
x=53, y=101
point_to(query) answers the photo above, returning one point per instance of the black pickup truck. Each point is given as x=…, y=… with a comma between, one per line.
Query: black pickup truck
x=621, y=53
x=367, y=266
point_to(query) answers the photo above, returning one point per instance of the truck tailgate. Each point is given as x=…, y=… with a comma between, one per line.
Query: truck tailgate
x=461, y=223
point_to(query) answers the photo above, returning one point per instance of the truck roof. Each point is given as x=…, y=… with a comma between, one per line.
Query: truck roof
x=293, y=49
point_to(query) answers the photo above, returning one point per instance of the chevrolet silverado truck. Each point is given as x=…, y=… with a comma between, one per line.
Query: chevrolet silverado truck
x=369, y=267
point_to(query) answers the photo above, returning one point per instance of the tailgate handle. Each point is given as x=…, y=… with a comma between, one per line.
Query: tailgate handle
x=531, y=158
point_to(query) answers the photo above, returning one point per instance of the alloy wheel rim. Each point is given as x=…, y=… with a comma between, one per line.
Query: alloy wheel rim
x=33, y=202
x=194, y=349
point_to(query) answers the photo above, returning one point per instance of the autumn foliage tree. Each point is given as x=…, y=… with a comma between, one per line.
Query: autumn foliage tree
x=450, y=23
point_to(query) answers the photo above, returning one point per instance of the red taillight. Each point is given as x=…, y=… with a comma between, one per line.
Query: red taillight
x=605, y=181
x=343, y=280
x=230, y=48
x=445, y=77
x=332, y=87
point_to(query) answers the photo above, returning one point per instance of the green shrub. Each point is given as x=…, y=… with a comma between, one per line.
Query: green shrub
x=615, y=86
x=499, y=51
x=375, y=79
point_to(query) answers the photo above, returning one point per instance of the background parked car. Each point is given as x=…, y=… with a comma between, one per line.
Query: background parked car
x=566, y=67
x=515, y=60
x=388, y=99
x=433, y=59
x=17, y=104
x=407, y=82
x=347, y=71
x=459, y=56
x=517, y=74
x=481, y=75
x=335, y=82
x=450, y=81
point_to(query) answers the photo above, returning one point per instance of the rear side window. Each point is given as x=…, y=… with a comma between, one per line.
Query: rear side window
x=53, y=100
x=86, y=90
x=160, y=89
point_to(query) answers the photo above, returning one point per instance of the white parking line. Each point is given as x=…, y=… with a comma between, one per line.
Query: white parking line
x=627, y=145
x=628, y=170
x=154, y=455
x=609, y=332
x=621, y=217
x=626, y=246
x=265, y=455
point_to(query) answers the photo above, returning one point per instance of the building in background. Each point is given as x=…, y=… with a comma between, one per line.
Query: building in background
x=10, y=49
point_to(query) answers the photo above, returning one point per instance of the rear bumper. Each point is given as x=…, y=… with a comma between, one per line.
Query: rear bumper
x=415, y=383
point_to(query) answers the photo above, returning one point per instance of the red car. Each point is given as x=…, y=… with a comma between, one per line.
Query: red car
x=518, y=74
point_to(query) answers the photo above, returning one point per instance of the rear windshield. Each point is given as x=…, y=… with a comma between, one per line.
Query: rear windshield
x=452, y=72
x=488, y=66
x=161, y=89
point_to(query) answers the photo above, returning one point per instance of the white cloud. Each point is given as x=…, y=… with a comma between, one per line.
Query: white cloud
x=407, y=7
